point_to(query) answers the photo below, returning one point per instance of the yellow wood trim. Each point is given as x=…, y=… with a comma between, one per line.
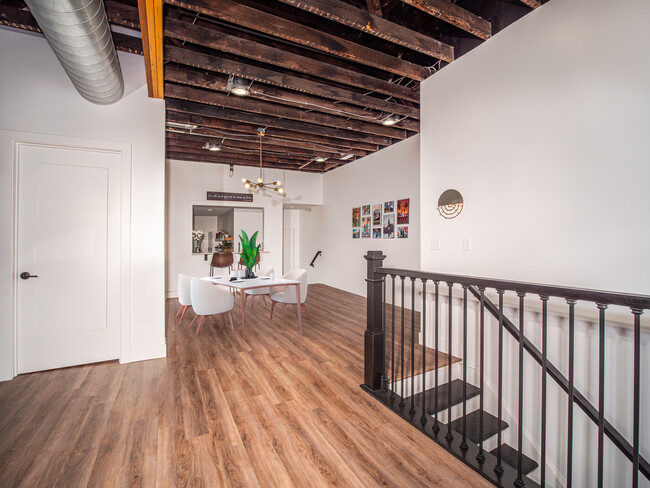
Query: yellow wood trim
x=151, y=21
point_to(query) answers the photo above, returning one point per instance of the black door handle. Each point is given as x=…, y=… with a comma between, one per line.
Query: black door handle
x=25, y=275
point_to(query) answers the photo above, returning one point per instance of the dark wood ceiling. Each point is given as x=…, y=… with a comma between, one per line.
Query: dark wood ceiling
x=322, y=74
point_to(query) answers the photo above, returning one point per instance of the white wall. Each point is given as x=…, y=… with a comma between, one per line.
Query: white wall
x=389, y=174
x=544, y=130
x=37, y=97
x=549, y=146
x=187, y=184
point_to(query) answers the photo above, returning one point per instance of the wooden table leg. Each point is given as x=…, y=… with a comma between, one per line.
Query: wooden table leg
x=299, y=307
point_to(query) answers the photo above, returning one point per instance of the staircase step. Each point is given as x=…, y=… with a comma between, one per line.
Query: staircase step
x=509, y=456
x=490, y=426
x=456, y=395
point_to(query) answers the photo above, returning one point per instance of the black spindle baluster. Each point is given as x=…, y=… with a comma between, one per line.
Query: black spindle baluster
x=436, y=426
x=569, y=463
x=401, y=402
x=392, y=343
x=498, y=469
x=601, y=389
x=463, y=444
x=519, y=482
x=480, y=457
x=637, y=385
x=449, y=436
x=384, y=378
x=542, y=461
x=412, y=409
x=423, y=315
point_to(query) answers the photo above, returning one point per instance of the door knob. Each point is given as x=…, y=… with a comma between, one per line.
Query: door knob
x=25, y=275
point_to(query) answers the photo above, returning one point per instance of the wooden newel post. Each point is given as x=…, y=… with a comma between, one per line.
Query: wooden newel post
x=374, y=336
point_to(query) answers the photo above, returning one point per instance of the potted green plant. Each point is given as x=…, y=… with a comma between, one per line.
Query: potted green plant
x=249, y=252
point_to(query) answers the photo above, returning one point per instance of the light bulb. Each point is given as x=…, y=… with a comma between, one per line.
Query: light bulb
x=280, y=190
x=243, y=180
x=278, y=182
x=247, y=185
x=259, y=180
x=241, y=91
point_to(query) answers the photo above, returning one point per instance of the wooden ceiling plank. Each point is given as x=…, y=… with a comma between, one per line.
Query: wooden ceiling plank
x=455, y=15
x=121, y=14
x=356, y=18
x=532, y=3
x=152, y=44
x=217, y=81
x=243, y=155
x=245, y=104
x=209, y=62
x=182, y=154
x=18, y=18
x=374, y=7
x=346, y=146
x=259, y=21
x=219, y=41
x=263, y=120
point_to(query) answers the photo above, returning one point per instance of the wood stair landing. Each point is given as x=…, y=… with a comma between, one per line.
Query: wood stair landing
x=443, y=396
x=509, y=456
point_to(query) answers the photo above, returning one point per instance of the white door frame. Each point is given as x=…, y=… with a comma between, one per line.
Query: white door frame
x=10, y=141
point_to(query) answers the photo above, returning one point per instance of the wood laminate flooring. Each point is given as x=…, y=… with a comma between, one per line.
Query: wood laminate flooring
x=274, y=410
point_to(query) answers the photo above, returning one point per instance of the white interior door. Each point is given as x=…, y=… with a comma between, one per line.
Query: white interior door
x=69, y=237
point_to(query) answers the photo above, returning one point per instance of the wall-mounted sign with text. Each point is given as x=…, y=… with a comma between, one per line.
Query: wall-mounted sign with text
x=230, y=197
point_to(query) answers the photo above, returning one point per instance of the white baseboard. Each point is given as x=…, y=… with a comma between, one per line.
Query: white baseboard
x=147, y=352
x=171, y=294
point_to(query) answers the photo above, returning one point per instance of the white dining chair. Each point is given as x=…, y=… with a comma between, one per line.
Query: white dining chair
x=208, y=300
x=184, y=298
x=288, y=295
x=263, y=292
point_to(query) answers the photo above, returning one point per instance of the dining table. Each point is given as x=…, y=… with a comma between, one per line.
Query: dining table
x=242, y=284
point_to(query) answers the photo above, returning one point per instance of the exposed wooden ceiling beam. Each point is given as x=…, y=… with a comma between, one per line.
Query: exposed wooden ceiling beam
x=305, y=36
x=152, y=43
x=244, y=155
x=218, y=99
x=251, y=145
x=218, y=82
x=374, y=7
x=264, y=120
x=346, y=14
x=532, y=3
x=121, y=14
x=287, y=136
x=455, y=15
x=204, y=36
x=185, y=155
x=188, y=57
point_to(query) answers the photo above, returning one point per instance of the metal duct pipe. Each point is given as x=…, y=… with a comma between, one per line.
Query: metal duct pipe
x=80, y=36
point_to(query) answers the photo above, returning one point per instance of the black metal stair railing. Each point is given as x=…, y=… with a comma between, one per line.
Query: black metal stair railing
x=464, y=436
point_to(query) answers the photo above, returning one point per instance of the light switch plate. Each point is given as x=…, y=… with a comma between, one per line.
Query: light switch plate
x=435, y=245
x=467, y=244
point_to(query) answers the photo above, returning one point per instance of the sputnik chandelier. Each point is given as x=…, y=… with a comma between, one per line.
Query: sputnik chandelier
x=259, y=184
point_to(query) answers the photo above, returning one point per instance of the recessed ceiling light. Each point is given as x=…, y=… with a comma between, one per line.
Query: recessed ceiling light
x=238, y=86
x=390, y=120
x=320, y=159
x=347, y=156
x=212, y=147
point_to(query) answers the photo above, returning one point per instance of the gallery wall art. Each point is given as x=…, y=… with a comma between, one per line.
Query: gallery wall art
x=403, y=211
x=387, y=220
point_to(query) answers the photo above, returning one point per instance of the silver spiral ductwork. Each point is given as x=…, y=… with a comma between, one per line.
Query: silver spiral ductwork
x=80, y=36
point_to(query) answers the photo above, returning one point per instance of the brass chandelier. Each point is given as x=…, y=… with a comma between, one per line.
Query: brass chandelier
x=259, y=184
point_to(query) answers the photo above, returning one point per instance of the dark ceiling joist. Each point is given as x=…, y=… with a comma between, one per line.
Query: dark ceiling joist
x=263, y=121
x=218, y=82
x=234, y=153
x=248, y=105
x=188, y=57
x=204, y=36
x=305, y=36
x=455, y=15
x=270, y=146
x=346, y=14
x=178, y=115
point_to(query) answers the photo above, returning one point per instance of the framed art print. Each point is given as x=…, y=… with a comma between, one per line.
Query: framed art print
x=389, y=226
x=365, y=227
x=376, y=232
x=365, y=210
x=356, y=215
x=403, y=211
x=402, y=231
x=389, y=207
x=355, y=233
x=376, y=214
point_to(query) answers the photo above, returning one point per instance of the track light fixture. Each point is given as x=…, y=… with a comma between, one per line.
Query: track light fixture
x=390, y=120
x=210, y=146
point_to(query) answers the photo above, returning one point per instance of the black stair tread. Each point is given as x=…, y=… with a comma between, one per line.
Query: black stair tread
x=490, y=426
x=443, y=390
x=509, y=456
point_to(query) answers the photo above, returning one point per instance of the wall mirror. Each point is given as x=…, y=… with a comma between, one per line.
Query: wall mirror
x=217, y=228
